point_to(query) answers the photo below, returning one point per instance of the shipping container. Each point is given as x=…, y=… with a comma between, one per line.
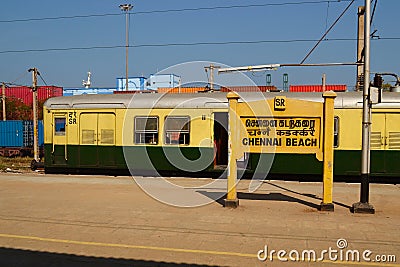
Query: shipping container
x=45, y=92
x=162, y=80
x=181, y=90
x=28, y=133
x=19, y=134
x=24, y=93
x=41, y=133
x=87, y=91
x=259, y=88
x=318, y=88
x=134, y=83
x=134, y=92
x=11, y=134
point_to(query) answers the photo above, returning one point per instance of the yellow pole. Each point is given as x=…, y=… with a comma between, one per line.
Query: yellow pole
x=329, y=99
x=231, y=200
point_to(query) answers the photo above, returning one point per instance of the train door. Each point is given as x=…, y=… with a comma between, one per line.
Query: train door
x=221, y=138
x=392, y=133
x=378, y=142
x=97, y=139
x=385, y=137
x=106, y=139
x=60, y=141
x=378, y=131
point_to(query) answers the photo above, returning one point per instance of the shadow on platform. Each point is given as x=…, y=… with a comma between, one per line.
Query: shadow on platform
x=256, y=196
x=11, y=257
x=273, y=196
x=307, y=195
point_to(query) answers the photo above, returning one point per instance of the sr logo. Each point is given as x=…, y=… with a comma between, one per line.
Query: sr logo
x=280, y=103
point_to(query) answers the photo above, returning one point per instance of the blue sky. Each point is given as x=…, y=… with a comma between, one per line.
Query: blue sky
x=68, y=68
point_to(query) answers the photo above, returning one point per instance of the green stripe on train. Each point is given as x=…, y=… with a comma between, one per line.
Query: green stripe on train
x=135, y=157
x=346, y=162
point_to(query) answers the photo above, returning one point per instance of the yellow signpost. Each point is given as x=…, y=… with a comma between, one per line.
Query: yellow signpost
x=281, y=125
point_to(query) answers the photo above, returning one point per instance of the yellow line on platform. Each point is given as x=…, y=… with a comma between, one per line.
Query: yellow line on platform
x=210, y=252
x=65, y=241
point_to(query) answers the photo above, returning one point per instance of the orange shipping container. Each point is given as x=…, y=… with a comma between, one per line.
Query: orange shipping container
x=318, y=88
x=134, y=92
x=182, y=90
x=260, y=88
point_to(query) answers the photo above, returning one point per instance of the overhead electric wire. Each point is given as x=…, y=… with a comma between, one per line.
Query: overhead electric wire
x=240, y=6
x=185, y=44
x=326, y=32
x=175, y=10
x=20, y=77
x=61, y=17
x=373, y=12
x=41, y=77
x=15, y=84
x=327, y=16
x=61, y=49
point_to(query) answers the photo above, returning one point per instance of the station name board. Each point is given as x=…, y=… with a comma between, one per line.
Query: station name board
x=280, y=133
x=292, y=126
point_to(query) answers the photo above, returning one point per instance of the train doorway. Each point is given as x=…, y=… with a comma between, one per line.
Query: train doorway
x=59, y=151
x=221, y=138
x=97, y=139
x=385, y=139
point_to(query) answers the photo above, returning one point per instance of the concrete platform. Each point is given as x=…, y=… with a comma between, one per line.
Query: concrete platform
x=110, y=221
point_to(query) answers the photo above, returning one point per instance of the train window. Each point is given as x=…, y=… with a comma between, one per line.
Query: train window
x=59, y=124
x=146, y=130
x=336, y=132
x=177, y=130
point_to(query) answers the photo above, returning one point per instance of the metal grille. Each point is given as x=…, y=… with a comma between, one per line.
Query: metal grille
x=28, y=133
x=376, y=140
x=88, y=137
x=107, y=136
x=394, y=140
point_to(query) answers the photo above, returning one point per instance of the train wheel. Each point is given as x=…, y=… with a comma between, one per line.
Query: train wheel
x=33, y=165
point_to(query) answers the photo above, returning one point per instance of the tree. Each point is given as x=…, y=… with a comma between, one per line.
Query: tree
x=386, y=87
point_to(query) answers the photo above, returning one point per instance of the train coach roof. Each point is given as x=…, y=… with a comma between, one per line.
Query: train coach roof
x=138, y=101
x=203, y=100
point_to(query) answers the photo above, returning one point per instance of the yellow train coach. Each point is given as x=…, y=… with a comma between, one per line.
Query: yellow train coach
x=187, y=134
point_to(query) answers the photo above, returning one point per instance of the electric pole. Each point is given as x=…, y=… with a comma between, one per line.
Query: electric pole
x=360, y=48
x=35, y=72
x=363, y=206
x=126, y=8
x=3, y=87
x=211, y=68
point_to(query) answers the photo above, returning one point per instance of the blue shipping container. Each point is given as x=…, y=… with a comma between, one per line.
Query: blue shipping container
x=19, y=133
x=11, y=134
x=28, y=133
x=134, y=83
x=162, y=80
x=87, y=91
x=41, y=133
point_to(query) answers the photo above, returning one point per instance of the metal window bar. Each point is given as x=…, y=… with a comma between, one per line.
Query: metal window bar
x=141, y=130
x=175, y=127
